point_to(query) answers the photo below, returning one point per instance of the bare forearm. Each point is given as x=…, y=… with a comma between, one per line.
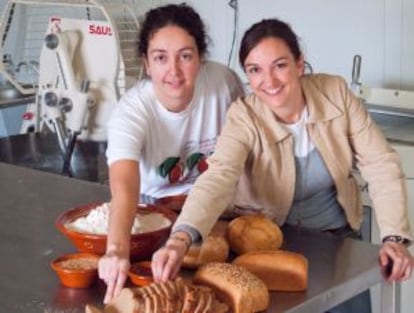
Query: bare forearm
x=124, y=182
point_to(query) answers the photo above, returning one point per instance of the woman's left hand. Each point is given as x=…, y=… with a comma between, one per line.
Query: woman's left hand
x=396, y=261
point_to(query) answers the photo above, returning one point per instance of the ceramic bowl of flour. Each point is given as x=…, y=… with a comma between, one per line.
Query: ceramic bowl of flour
x=86, y=227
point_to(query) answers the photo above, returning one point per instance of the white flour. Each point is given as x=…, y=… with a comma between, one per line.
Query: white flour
x=96, y=222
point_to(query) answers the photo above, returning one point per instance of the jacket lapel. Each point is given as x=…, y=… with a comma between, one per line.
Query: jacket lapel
x=317, y=102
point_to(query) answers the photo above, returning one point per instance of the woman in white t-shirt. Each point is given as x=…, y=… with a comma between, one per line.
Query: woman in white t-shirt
x=162, y=130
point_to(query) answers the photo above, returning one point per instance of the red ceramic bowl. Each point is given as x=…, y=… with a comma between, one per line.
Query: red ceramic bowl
x=143, y=245
x=77, y=270
x=174, y=203
x=140, y=273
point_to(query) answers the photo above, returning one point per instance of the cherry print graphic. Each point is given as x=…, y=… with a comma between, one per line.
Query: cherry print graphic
x=166, y=167
x=202, y=165
x=175, y=173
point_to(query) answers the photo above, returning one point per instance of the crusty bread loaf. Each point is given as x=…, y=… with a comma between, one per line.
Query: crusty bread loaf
x=89, y=308
x=214, y=249
x=242, y=290
x=280, y=270
x=253, y=233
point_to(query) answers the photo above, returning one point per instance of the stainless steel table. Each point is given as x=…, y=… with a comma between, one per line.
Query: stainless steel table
x=41, y=151
x=31, y=200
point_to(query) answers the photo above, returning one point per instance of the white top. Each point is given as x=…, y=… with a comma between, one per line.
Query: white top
x=171, y=147
x=314, y=202
x=302, y=143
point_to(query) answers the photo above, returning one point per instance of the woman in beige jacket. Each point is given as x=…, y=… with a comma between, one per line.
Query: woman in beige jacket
x=293, y=143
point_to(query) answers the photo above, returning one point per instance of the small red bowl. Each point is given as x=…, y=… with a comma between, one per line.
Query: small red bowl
x=76, y=270
x=174, y=203
x=140, y=273
x=143, y=245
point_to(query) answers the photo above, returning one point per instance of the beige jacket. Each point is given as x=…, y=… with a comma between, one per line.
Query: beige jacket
x=253, y=147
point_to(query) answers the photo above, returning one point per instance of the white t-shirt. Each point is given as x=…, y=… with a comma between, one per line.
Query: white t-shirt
x=171, y=147
x=302, y=143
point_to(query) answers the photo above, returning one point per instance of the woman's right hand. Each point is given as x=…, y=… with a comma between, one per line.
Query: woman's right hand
x=113, y=270
x=166, y=262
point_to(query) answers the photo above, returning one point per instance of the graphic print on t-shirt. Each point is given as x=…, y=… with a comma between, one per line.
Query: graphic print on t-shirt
x=178, y=170
x=189, y=164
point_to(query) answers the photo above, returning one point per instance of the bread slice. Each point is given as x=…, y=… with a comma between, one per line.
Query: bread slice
x=233, y=284
x=126, y=302
x=280, y=270
x=177, y=296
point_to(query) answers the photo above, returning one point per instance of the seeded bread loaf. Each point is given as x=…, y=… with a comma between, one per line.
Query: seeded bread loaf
x=253, y=233
x=280, y=270
x=236, y=286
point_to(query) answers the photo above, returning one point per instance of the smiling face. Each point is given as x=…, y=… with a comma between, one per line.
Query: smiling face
x=172, y=61
x=274, y=76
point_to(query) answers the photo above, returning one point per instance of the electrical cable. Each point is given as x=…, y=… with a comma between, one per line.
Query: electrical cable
x=234, y=5
x=9, y=21
x=88, y=12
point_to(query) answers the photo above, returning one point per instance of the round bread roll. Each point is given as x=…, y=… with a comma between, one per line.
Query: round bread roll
x=214, y=249
x=253, y=233
x=234, y=285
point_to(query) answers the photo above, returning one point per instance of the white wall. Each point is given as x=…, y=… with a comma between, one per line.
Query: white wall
x=332, y=32
x=407, y=45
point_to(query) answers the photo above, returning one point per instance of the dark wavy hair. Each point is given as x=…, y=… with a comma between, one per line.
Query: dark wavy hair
x=268, y=28
x=181, y=15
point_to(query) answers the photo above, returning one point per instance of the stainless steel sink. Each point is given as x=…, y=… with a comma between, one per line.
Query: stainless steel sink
x=9, y=95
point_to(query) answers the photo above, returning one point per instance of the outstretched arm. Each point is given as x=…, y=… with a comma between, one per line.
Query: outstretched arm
x=113, y=266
